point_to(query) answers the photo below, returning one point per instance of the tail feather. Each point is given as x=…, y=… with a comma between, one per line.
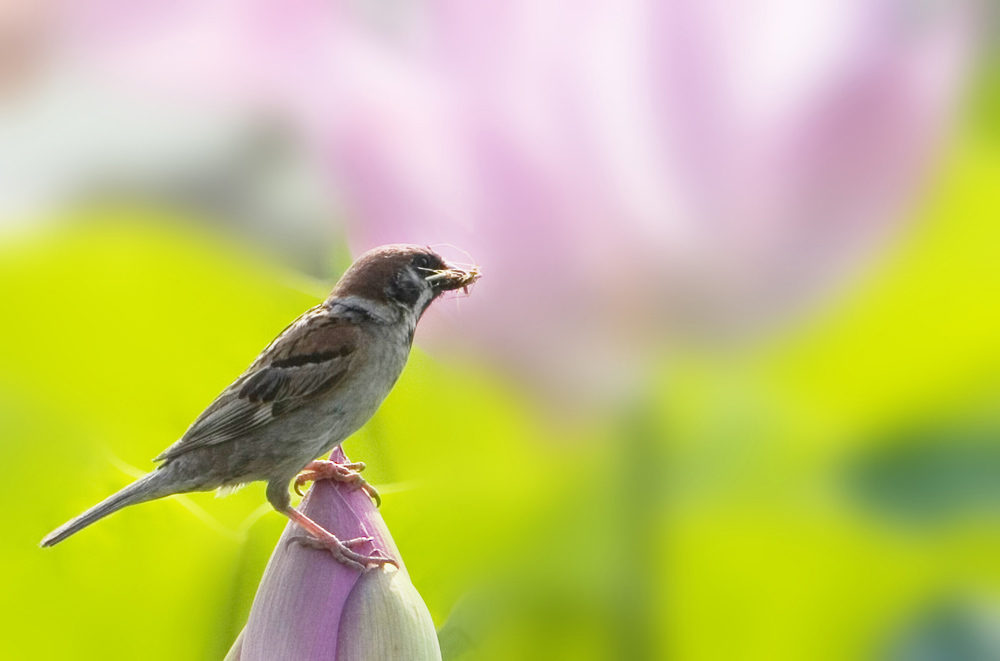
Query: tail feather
x=150, y=487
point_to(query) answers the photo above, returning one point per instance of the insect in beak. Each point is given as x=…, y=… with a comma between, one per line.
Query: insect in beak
x=454, y=278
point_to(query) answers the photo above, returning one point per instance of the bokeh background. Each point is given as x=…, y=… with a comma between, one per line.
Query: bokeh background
x=729, y=388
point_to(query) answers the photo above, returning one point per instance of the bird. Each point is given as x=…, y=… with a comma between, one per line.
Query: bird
x=314, y=385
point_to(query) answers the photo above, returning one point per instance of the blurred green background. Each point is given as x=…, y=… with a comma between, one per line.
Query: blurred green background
x=829, y=492
x=838, y=485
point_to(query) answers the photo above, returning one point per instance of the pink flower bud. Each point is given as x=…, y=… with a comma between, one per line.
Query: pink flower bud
x=309, y=606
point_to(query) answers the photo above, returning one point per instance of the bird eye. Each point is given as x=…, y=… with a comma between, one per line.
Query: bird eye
x=422, y=261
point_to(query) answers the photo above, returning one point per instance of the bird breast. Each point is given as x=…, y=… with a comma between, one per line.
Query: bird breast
x=350, y=405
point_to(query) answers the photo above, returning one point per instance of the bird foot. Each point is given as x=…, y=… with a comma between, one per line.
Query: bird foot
x=344, y=553
x=349, y=474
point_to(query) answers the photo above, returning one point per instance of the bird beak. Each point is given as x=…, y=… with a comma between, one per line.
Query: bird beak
x=453, y=277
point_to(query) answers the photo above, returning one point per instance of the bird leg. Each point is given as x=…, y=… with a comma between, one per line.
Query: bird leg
x=343, y=552
x=349, y=474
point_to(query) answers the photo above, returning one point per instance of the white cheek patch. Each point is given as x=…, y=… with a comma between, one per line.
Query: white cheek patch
x=426, y=296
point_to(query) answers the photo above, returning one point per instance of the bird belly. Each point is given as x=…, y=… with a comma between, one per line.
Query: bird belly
x=317, y=428
x=280, y=449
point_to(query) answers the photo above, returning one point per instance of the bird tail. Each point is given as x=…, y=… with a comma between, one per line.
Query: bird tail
x=152, y=486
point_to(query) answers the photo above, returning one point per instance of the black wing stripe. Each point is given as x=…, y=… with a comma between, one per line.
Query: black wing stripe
x=307, y=359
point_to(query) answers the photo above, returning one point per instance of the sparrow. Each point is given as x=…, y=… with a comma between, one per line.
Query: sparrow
x=313, y=386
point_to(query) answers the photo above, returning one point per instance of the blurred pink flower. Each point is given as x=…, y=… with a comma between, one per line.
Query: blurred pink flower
x=309, y=606
x=625, y=172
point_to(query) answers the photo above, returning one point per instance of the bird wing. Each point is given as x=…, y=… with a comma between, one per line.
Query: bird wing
x=311, y=356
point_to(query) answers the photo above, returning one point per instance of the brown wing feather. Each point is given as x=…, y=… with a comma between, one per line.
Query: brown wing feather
x=309, y=357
